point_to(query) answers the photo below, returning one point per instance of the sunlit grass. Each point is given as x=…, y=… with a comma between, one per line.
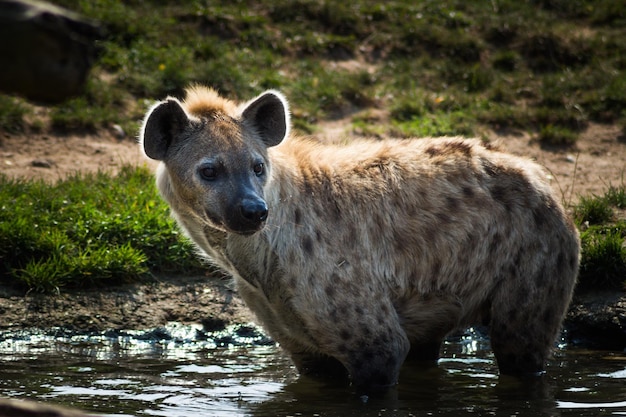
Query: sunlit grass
x=93, y=229
x=603, y=237
x=548, y=68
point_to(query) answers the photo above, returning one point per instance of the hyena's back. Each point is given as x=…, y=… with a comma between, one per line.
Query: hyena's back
x=399, y=242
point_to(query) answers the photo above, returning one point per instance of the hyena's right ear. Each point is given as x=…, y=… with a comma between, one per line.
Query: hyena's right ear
x=164, y=122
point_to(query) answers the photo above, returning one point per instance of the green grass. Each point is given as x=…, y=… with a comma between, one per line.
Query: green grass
x=12, y=112
x=603, y=263
x=87, y=230
x=546, y=67
x=603, y=239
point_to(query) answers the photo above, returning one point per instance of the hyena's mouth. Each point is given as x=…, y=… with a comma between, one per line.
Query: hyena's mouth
x=237, y=224
x=244, y=227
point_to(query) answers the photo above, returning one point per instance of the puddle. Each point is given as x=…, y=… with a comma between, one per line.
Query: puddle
x=183, y=371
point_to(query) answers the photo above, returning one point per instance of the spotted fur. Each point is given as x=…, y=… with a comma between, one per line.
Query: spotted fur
x=362, y=254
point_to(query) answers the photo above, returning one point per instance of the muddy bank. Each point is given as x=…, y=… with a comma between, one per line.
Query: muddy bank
x=208, y=300
x=595, y=320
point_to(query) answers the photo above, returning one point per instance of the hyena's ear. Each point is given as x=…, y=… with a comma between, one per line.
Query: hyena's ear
x=163, y=124
x=269, y=116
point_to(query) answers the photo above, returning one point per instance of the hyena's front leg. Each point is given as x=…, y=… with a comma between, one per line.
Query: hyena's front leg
x=368, y=340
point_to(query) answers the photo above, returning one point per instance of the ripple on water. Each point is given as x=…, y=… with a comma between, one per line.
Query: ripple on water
x=183, y=371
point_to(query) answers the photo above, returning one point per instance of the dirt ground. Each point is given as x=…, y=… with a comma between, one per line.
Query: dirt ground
x=598, y=160
x=208, y=300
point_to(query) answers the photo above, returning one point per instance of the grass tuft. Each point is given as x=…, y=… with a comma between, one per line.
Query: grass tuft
x=95, y=229
x=603, y=263
x=12, y=112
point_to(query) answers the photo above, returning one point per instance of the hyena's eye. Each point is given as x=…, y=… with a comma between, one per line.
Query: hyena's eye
x=259, y=169
x=208, y=173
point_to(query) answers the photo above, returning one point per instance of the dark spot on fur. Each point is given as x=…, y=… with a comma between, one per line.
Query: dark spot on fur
x=437, y=268
x=452, y=203
x=402, y=240
x=297, y=217
x=443, y=217
x=292, y=282
x=385, y=309
x=461, y=147
x=307, y=245
x=468, y=192
x=380, y=317
x=345, y=335
x=318, y=236
x=359, y=310
x=495, y=243
x=489, y=167
x=541, y=216
x=330, y=291
x=433, y=151
x=501, y=194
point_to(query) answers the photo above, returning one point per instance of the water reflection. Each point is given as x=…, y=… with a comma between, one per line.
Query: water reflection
x=180, y=371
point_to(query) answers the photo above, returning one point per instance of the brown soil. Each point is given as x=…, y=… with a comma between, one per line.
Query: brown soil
x=597, y=161
x=206, y=300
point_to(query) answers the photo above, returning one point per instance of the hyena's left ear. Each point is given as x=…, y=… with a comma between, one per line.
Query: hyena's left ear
x=269, y=116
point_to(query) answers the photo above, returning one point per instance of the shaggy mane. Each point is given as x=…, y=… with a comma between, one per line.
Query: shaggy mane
x=203, y=101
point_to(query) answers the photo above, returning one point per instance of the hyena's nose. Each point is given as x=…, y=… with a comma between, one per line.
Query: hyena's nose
x=254, y=210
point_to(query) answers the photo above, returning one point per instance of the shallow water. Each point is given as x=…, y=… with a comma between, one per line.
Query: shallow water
x=182, y=371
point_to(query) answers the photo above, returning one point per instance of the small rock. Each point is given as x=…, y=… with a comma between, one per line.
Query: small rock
x=118, y=132
x=42, y=163
x=570, y=158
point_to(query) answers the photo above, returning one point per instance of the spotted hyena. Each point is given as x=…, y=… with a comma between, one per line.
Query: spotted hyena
x=364, y=254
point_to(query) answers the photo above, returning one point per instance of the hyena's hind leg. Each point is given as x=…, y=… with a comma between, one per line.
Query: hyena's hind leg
x=526, y=321
x=427, y=320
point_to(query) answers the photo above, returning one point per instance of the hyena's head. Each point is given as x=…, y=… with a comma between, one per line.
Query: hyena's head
x=214, y=155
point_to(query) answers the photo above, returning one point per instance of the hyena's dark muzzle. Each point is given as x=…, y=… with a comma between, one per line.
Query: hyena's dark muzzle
x=246, y=214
